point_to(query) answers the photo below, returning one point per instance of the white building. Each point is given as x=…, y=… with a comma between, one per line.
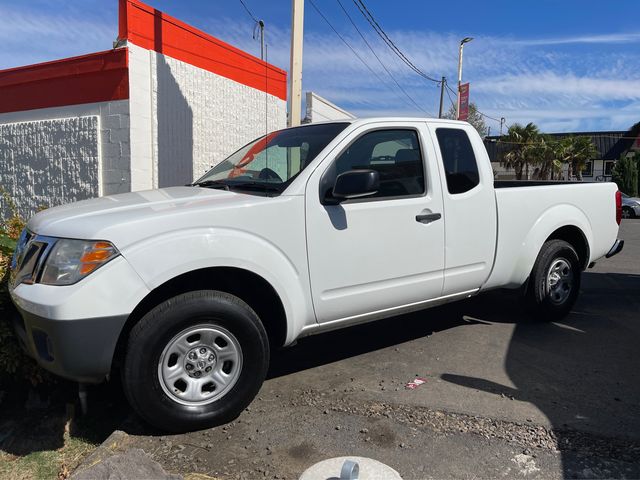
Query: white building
x=160, y=109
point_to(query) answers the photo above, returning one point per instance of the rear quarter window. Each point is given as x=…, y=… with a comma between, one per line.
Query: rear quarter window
x=460, y=165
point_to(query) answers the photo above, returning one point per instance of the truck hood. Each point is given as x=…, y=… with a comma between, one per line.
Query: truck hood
x=126, y=218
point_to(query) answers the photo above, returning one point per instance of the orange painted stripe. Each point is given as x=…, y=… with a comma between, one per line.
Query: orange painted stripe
x=97, y=77
x=152, y=29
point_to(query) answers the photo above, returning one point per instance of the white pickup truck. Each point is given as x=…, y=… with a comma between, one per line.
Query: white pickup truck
x=185, y=290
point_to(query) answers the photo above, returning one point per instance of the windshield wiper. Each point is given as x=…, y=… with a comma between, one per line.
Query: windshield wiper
x=211, y=184
x=255, y=186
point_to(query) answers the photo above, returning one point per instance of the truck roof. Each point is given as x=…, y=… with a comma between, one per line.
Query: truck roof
x=368, y=120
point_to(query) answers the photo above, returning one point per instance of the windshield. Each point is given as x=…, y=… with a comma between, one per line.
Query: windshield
x=271, y=162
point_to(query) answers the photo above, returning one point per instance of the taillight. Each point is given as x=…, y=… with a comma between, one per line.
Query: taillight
x=618, y=207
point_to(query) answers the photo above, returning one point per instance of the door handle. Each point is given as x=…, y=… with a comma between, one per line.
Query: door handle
x=428, y=217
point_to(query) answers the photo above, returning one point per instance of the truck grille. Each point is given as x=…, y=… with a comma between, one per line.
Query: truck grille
x=30, y=251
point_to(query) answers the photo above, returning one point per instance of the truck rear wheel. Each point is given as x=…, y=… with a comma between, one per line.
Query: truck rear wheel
x=554, y=282
x=195, y=361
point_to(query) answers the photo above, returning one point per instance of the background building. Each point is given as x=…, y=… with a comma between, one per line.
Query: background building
x=611, y=145
x=158, y=109
x=319, y=109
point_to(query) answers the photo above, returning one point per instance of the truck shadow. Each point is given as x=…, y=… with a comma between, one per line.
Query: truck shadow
x=582, y=373
x=47, y=418
x=357, y=340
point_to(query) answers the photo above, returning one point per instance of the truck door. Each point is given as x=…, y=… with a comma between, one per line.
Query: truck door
x=374, y=254
x=469, y=207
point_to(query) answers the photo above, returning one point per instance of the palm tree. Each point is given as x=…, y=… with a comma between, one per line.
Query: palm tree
x=576, y=151
x=520, y=144
x=545, y=155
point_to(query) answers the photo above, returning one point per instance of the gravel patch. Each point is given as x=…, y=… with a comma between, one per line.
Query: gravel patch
x=528, y=436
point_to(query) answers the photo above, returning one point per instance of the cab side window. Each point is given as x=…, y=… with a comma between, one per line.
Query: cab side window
x=394, y=154
x=459, y=160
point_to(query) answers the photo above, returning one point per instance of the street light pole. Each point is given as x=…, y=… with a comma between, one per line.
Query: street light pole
x=462, y=42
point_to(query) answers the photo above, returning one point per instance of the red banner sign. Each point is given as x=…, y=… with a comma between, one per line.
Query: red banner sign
x=464, y=102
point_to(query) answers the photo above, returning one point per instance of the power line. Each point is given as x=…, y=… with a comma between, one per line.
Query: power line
x=487, y=116
x=479, y=112
x=385, y=38
x=453, y=104
x=377, y=57
x=253, y=17
x=366, y=13
x=352, y=49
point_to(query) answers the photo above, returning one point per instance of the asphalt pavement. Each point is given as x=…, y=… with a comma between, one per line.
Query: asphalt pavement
x=504, y=395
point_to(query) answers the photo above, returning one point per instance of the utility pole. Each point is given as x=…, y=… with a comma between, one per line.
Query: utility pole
x=462, y=42
x=443, y=85
x=295, y=65
x=501, y=123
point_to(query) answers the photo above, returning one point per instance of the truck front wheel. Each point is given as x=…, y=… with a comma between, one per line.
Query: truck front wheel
x=554, y=282
x=195, y=361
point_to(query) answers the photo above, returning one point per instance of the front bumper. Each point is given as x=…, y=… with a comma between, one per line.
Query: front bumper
x=80, y=350
x=73, y=330
x=618, y=245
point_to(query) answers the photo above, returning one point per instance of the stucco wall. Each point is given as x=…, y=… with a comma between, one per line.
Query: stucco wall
x=198, y=117
x=58, y=155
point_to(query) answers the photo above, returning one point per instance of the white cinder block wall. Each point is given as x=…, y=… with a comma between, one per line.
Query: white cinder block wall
x=198, y=118
x=58, y=155
x=194, y=98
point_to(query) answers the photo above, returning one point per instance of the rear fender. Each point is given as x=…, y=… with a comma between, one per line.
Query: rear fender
x=551, y=220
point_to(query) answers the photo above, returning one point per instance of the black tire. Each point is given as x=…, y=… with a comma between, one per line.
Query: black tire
x=141, y=377
x=545, y=303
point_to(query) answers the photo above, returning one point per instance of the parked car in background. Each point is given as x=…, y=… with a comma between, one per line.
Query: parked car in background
x=309, y=229
x=630, y=206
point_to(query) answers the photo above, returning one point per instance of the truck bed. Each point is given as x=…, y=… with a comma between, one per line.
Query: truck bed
x=527, y=216
x=532, y=183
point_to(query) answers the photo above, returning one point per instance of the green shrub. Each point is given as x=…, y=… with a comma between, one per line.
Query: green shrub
x=625, y=174
x=15, y=365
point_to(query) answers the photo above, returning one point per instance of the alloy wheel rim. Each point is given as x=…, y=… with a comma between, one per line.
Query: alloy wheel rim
x=559, y=281
x=200, y=365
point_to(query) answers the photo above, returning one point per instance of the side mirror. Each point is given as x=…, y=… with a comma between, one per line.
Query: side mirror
x=356, y=184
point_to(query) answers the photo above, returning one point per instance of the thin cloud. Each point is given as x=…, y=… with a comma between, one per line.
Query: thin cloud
x=523, y=80
x=591, y=39
x=553, y=84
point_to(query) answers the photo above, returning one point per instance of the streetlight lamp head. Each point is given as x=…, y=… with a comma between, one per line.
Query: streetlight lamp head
x=466, y=40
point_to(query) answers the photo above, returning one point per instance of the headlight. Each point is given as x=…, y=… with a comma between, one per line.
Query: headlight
x=71, y=260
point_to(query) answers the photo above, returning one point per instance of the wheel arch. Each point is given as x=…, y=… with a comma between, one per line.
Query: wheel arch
x=250, y=287
x=575, y=237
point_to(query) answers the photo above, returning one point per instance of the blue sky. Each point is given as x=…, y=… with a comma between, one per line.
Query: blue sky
x=566, y=65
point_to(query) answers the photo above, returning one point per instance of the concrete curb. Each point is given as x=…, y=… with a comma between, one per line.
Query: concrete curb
x=112, y=460
x=107, y=448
